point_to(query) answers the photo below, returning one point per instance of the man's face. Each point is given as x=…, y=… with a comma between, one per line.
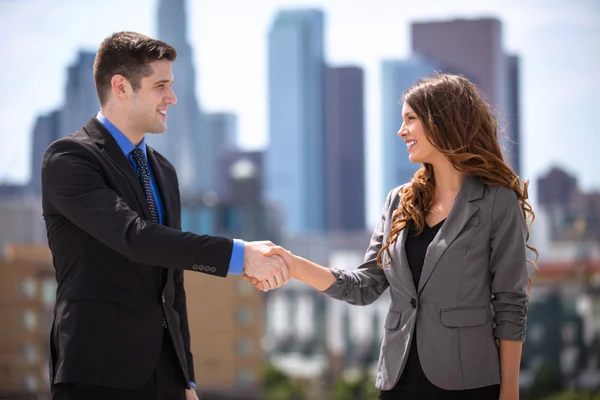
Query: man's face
x=150, y=102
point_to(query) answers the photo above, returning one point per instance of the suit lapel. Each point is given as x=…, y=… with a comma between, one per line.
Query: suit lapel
x=462, y=211
x=109, y=146
x=402, y=265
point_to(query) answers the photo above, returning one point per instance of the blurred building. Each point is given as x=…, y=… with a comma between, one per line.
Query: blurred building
x=572, y=214
x=81, y=101
x=223, y=128
x=473, y=48
x=240, y=176
x=344, y=149
x=21, y=218
x=557, y=189
x=294, y=160
x=186, y=143
x=227, y=339
x=80, y=105
x=563, y=324
x=514, y=110
x=27, y=292
x=396, y=77
x=226, y=326
x=310, y=335
x=45, y=131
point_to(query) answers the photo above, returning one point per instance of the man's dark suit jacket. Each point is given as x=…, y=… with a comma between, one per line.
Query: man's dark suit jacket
x=119, y=275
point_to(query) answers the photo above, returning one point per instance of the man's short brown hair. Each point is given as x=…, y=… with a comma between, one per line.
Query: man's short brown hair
x=128, y=54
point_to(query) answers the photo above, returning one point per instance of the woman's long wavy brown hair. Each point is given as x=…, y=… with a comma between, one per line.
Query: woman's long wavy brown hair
x=460, y=125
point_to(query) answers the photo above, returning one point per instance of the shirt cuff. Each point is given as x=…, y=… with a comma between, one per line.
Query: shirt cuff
x=236, y=263
x=193, y=385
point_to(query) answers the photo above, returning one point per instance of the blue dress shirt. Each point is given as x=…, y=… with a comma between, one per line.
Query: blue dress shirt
x=236, y=262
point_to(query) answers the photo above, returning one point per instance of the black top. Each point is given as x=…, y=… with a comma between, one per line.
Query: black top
x=416, y=250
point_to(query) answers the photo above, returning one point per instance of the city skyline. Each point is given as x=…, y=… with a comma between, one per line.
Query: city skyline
x=567, y=59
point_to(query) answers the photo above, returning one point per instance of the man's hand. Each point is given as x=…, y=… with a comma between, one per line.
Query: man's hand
x=273, y=251
x=190, y=394
x=271, y=271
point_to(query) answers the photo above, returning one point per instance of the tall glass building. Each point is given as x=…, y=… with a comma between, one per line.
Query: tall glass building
x=294, y=178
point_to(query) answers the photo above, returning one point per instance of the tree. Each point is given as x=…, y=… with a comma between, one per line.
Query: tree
x=360, y=388
x=547, y=382
x=279, y=386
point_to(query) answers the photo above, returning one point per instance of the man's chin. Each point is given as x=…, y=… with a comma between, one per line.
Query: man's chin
x=157, y=130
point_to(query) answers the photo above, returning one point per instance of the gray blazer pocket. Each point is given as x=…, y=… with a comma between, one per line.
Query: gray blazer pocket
x=460, y=317
x=392, y=320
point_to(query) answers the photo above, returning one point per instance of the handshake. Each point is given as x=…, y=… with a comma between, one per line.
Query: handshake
x=267, y=266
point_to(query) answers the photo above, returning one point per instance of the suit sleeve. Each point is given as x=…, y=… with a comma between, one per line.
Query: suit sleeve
x=508, y=265
x=365, y=284
x=74, y=186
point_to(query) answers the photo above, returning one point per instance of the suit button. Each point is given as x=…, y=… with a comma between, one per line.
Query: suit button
x=413, y=302
x=163, y=299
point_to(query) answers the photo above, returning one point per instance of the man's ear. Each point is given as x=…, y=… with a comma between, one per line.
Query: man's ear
x=120, y=86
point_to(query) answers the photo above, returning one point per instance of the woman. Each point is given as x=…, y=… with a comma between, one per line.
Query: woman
x=451, y=246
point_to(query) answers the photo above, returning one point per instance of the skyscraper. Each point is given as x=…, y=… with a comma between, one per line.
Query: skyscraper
x=45, y=131
x=294, y=159
x=344, y=149
x=396, y=77
x=514, y=112
x=81, y=100
x=474, y=49
x=222, y=126
x=80, y=105
x=185, y=142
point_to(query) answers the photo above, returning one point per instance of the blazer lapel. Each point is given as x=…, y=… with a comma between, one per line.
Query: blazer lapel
x=109, y=146
x=471, y=189
x=166, y=192
x=402, y=263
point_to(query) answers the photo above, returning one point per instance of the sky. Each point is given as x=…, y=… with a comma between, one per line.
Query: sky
x=558, y=42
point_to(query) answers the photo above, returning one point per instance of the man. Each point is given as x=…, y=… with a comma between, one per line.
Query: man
x=112, y=211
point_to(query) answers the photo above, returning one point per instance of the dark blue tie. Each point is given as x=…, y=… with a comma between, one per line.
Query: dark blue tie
x=144, y=175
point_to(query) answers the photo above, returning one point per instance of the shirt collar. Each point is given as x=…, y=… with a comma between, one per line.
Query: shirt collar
x=122, y=140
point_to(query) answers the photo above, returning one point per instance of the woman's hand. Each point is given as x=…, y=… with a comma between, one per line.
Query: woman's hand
x=287, y=257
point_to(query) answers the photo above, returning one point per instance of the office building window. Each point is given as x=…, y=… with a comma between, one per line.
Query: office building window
x=244, y=287
x=29, y=319
x=48, y=292
x=245, y=377
x=29, y=383
x=244, y=316
x=28, y=288
x=29, y=353
x=245, y=347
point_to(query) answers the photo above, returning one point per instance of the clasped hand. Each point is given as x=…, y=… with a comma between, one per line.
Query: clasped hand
x=266, y=266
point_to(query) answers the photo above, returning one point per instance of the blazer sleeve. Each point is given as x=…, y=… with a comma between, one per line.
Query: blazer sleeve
x=180, y=305
x=508, y=266
x=74, y=186
x=365, y=284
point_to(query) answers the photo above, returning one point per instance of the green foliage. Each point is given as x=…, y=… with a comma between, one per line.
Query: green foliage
x=360, y=388
x=547, y=382
x=574, y=396
x=278, y=386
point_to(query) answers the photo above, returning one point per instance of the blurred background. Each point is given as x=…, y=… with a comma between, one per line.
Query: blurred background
x=285, y=129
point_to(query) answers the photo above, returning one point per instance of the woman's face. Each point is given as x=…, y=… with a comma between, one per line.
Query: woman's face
x=412, y=131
